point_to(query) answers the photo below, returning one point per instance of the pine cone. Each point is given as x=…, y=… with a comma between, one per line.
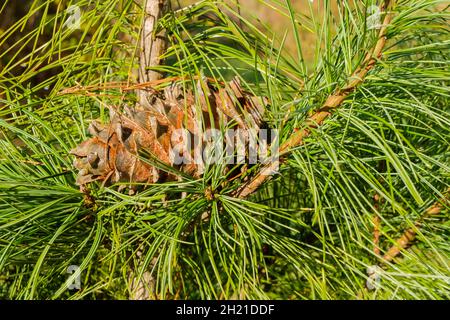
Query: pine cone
x=111, y=155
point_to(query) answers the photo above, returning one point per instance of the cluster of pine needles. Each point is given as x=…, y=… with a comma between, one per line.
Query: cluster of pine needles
x=358, y=209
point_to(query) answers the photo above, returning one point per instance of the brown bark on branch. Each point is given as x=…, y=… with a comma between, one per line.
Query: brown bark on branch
x=376, y=226
x=152, y=46
x=409, y=235
x=332, y=102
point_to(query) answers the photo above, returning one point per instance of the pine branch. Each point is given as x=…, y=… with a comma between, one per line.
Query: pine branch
x=190, y=239
x=332, y=102
x=376, y=225
x=410, y=234
x=152, y=47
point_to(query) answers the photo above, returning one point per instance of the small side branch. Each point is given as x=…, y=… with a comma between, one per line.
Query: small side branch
x=409, y=235
x=152, y=46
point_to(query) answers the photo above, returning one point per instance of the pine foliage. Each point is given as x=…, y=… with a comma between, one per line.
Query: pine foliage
x=366, y=188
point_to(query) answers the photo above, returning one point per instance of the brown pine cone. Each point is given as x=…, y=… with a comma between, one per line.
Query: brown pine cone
x=111, y=155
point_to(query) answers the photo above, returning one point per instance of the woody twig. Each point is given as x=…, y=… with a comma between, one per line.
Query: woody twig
x=407, y=238
x=331, y=103
x=152, y=46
